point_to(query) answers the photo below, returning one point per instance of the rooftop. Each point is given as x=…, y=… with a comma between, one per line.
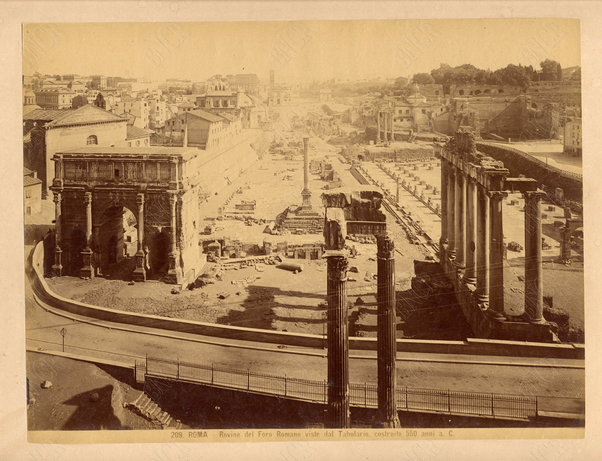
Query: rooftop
x=84, y=115
x=133, y=132
x=184, y=152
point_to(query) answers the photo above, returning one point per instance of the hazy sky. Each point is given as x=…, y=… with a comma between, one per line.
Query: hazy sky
x=299, y=51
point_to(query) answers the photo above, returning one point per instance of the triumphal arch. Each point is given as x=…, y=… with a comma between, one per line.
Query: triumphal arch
x=128, y=212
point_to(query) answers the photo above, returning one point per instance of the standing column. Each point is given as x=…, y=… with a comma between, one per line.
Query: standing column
x=87, y=271
x=139, y=274
x=451, y=197
x=444, y=180
x=397, y=191
x=533, y=257
x=377, y=126
x=386, y=326
x=460, y=221
x=338, y=342
x=57, y=268
x=470, y=275
x=482, y=248
x=391, y=126
x=172, y=273
x=306, y=193
x=496, y=256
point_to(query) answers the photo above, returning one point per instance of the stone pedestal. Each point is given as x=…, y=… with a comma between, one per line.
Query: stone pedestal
x=338, y=342
x=87, y=269
x=386, y=327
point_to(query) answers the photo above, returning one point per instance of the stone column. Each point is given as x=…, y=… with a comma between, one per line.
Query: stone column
x=397, y=191
x=306, y=193
x=496, y=255
x=338, y=342
x=533, y=257
x=444, y=180
x=482, y=248
x=386, y=326
x=377, y=126
x=57, y=268
x=451, y=197
x=87, y=271
x=470, y=275
x=172, y=273
x=139, y=274
x=460, y=221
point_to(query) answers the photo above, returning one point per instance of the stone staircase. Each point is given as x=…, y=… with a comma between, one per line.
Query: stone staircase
x=146, y=407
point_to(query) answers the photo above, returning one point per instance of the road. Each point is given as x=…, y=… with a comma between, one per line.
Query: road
x=504, y=375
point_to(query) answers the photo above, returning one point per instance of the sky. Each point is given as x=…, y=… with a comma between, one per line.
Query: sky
x=298, y=51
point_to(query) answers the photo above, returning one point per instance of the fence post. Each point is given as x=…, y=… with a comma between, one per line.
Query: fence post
x=324, y=390
x=407, y=407
x=178, y=369
x=285, y=385
x=536, y=408
x=492, y=410
x=248, y=379
x=212, y=373
x=145, y=363
x=448, y=402
x=365, y=394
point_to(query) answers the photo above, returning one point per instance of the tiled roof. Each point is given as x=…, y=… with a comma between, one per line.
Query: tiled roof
x=205, y=115
x=133, y=132
x=31, y=181
x=84, y=115
x=45, y=114
x=27, y=171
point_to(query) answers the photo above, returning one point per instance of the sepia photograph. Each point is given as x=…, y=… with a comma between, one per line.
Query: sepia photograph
x=303, y=230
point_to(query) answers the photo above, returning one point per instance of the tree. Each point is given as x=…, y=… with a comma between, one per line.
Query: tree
x=550, y=70
x=78, y=101
x=100, y=101
x=400, y=82
x=441, y=74
x=423, y=78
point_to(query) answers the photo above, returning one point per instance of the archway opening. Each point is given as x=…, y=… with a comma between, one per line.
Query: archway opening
x=77, y=243
x=115, y=243
x=158, y=254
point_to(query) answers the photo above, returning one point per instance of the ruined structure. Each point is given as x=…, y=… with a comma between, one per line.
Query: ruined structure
x=473, y=187
x=304, y=219
x=358, y=212
x=93, y=188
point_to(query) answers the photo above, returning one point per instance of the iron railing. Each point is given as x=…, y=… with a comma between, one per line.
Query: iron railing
x=360, y=395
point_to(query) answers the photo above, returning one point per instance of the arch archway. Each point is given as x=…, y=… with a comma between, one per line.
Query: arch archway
x=157, y=249
x=115, y=234
x=77, y=243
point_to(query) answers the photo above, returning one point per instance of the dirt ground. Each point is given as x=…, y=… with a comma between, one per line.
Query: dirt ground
x=83, y=396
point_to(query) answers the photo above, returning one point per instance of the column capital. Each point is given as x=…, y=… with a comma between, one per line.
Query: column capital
x=338, y=264
x=497, y=194
x=385, y=246
x=87, y=198
x=535, y=195
x=140, y=198
x=57, y=197
x=173, y=198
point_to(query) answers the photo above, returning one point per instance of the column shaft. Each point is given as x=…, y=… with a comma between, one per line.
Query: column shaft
x=533, y=257
x=471, y=232
x=378, y=126
x=57, y=268
x=139, y=273
x=386, y=327
x=451, y=206
x=338, y=343
x=460, y=220
x=482, y=247
x=87, y=271
x=444, y=180
x=496, y=255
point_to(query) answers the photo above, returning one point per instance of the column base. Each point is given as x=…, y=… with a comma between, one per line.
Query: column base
x=87, y=271
x=57, y=267
x=139, y=275
x=57, y=270
x=388, y=424
x=498, y=316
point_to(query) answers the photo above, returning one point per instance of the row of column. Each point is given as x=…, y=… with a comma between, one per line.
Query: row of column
x=87, y=269
x=338, y=415
x=386, y=126
x=472, y=238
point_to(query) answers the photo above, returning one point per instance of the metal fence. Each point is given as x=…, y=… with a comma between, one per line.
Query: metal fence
x=360, y=395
